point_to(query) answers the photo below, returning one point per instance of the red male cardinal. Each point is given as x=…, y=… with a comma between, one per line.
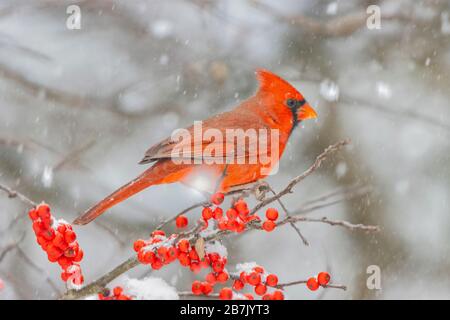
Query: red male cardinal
x=276, y=105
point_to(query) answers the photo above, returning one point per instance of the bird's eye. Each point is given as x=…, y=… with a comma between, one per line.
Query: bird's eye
x=291, y=103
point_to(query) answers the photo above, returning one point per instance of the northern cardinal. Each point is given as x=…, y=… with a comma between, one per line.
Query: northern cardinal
x=276, y=105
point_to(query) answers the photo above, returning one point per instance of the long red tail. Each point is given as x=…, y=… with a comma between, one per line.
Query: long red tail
x=124, y=192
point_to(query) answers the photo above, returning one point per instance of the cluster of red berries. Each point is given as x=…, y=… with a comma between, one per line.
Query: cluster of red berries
x=272, y=216
x=218, y=274
x=260, y=280
x=58, y=240
x=160, y=250
x=117, y=294
x=234, y=219
x=323, y=278
x=157, y=251
x=207, y=213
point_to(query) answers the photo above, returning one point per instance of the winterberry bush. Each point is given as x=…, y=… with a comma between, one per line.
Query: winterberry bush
x=195, y=245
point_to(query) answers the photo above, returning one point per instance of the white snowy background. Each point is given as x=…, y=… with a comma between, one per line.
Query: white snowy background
x=78, y=108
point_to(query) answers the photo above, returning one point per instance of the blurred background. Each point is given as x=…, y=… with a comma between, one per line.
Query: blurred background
x=78, y=109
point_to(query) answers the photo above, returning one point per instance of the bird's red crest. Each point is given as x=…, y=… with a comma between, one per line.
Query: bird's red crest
x=271, y=83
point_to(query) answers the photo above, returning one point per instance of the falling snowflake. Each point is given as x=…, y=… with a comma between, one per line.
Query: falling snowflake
x=383, y=89
x=329, y=90
x=332, y=8
x=47, y=177
x=162, y=29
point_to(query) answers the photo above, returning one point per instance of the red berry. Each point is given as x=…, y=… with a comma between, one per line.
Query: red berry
x=33, y=214
x=243, y=277
x=240, y=227
x=78, y=280
x=181, y=221
x=184, y=245
x=138, y=245
x=70, y=253
x=222, y=277
x=241, y=207
x=65, y=276
x=323, y=278
x=214, y=256
x=218, y=213
x=217, y=266
x=312, y=284
x=140, y=257
x=64, y=262
x=249, y=296
x=43, y=211
x=157, y=264
x=278, y=295
x=271, y=280
x=206, y=288
x=79, y=256
x=117, y=291
x=238, y=285
x=193, y=254
x=172, y=254
x=158, y=233
x=268, y=225
x=232, y=225
x=197, y=287
x=205, y=263
x=217, y=198
x=226, y=294
x=61, y=228
x=223, y=224
x=47, y=223
x=272, y=214
x=254, y=278
x=148, y=257
x=207, y=213
x=184, y=259
x=155, y=240
x=37, y=228
x=70, y=236
x=53, y=251
x=195, y=267
x=59, y=240
x=48, y=234
x=232, y=214
x=260, y=289
x=42, y=242
x=211, y=278
x=267, y=296
x=162, y=252
x=258, y=269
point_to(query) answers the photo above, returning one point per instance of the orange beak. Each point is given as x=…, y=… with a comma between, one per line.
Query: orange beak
x=306, y=112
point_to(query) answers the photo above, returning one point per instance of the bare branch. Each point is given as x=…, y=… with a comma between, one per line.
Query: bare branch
x=15, y=194
x=331, y=149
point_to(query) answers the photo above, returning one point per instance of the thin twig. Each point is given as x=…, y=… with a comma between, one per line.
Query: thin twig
x=331, y=149
x=293, y=225
x=194, y=206
x=341, y=223
x=15, y=194
x=8, y=248
x=294, y=283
